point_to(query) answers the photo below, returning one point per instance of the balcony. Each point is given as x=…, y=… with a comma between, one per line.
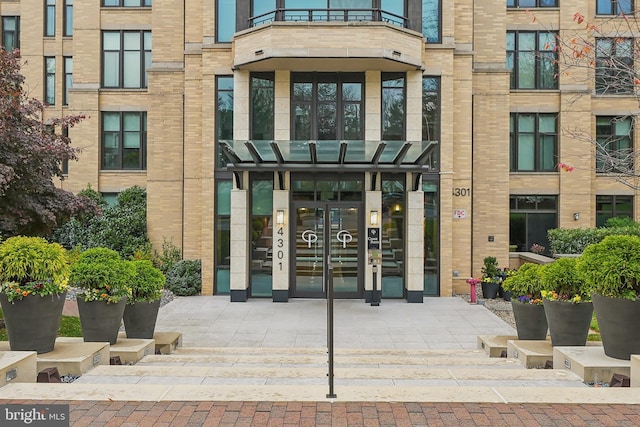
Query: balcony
x=328, y=40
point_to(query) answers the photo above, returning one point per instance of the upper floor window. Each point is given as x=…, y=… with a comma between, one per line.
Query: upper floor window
x=50, y=80
x=225, y=20
x=532, y=3
x=68, y=18
x=124, y=140
x=614, y=7
x=532, y=60
x=534, y=140
x=126, y=3
x=393, y=106
x=224, y=111
x=614, y=66
x=50, y=18
x=262, y=105
x=327, y=106
x=432, y=20
x=10, y=32
x=430, y=108
x=68, y=79
x=126, y=55
x=614, y=150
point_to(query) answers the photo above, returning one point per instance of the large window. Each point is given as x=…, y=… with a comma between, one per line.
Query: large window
x=431, y=236
x=534, y=141
x=68, y=79
x=614, y=7
x=532, y=3
x=50, y=18
x=68, y=18
x=393, y=259
x=327, y=106
x=393, y=106
x=50, y=80
x=432, y=20
x=614, y=66
x=10, y=32
x=613, y=207
x=261, y=235
x=614, y=151
x=126, y=3
x=431, y=108
x=225, y=20
x=530, y=219
x=126, y=55
x=224, y=112
x=532, y=60
x=222, y=237
x=262, y=105
x=124, y=140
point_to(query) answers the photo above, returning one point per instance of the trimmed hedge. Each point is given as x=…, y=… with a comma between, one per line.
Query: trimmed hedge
x=575, y=240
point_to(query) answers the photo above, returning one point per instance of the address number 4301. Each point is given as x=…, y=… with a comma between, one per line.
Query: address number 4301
x=461, y=192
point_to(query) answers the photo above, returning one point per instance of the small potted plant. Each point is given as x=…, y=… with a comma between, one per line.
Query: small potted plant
x=103, y=280
x=528, y=311
x=491, y=278
x=611, y=271
x=567, y=303
x=142, y=308
x=33, y=282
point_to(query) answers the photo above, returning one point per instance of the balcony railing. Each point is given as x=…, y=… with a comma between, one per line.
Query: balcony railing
x=329, y=15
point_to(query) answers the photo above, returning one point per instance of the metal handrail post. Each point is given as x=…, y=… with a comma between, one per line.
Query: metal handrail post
x=332, y=394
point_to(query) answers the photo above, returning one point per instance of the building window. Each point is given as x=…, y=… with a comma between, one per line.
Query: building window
x=532, y=60
x=614, y=66
x=327, y=106
x=262, y=105
x=126, y=3
x=614, y=7
x=614, y=150
x=222, y=237
x=225, y=20
x=224, y=113
x=50, y=80
x=432, y=20
x=124, y=140
x=126, y=55
x=533, y=142
x=530, y=218
x=68, y=18
x=431, y=108
x=10, y=32
x=532, y=3
x=393, y=106
x=50, y=18
x=392, y=235
x=608, y=207
x=431, y=235
x=261, y=235
x=68, y=79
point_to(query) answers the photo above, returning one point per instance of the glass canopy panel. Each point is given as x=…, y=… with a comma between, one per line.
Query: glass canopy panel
x=265, y=151
x=296, y=151
x=240, y=149
x=390, y=151
x=328, y=151
x=360, y=151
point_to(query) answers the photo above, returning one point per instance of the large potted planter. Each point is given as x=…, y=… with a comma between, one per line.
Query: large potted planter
x=611, y=270
x=528, y=311
x=33, y=280
x=103, y=281
x=491, y=278
x=567, y=303
x=142, y=307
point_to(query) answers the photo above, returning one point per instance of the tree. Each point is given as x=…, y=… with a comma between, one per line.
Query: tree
x=31, y=155
x=598, y=58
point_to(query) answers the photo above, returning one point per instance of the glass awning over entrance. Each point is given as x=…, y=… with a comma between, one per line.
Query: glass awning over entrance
x=326, y=155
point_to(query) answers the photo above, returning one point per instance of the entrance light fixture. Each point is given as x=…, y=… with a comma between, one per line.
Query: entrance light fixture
x=576, y=216
x=373, y=218
x=280, y=217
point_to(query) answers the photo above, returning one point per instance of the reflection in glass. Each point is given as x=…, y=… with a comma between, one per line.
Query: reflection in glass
x=261, y=238
x=392, y=236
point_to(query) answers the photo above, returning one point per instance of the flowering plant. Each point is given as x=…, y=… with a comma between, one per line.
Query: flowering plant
x=102, y=275
x=525, y=284
x=15, y=291
x=561, y=282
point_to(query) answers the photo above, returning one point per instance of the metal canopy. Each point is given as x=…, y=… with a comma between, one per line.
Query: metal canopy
x=416, y=156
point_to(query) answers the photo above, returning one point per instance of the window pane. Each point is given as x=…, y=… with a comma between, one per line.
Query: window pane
x=131, y=69
x=547, y=153
x=604, y=7
x=623, y=127
x=431, y=20
x=262, y=197
x=131, y=41
x=302, y=124
x=526, y=152
x=352, y=91
x=110, y=121
x=351, y=118
x=262, y=107
x=547, y=123
x=526, y=123
x=526, y=70
x=327, y=121
x=526, y=41
x=226, y=20
x=625, y=6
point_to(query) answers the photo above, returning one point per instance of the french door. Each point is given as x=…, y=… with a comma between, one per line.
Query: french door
x=327, y=234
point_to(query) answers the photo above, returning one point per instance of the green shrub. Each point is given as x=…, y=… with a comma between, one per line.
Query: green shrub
x=525, y=283
x=611, y=267
x=490, y=268
x=575, y=240
x=147, y=282
x=170, y=255
x=560, y=278
x=620, y=221
x=101, y=275
x=185, y=278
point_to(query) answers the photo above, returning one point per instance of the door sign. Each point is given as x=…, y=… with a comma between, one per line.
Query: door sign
x=373, y=238
x=309, y=237
x=344, y=237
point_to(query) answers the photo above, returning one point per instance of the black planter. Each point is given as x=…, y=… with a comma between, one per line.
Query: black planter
x=531, y=322
x=140, y=319
x=568, y=322
x=506, y=295
x=618, y=320
x=32, y=323
x=490, y=290
x=100, y=320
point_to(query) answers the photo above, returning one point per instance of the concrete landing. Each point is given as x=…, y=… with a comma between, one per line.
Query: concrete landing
x=494, y=345
x=589, y=363
x=18, y=367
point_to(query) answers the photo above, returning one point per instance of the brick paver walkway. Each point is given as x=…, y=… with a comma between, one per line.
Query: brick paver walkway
x=266, y=414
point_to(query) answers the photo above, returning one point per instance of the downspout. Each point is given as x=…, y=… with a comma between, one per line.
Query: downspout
x=184, y=63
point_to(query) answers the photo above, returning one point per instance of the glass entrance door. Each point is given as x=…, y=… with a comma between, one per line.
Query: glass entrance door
x=327, y=233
